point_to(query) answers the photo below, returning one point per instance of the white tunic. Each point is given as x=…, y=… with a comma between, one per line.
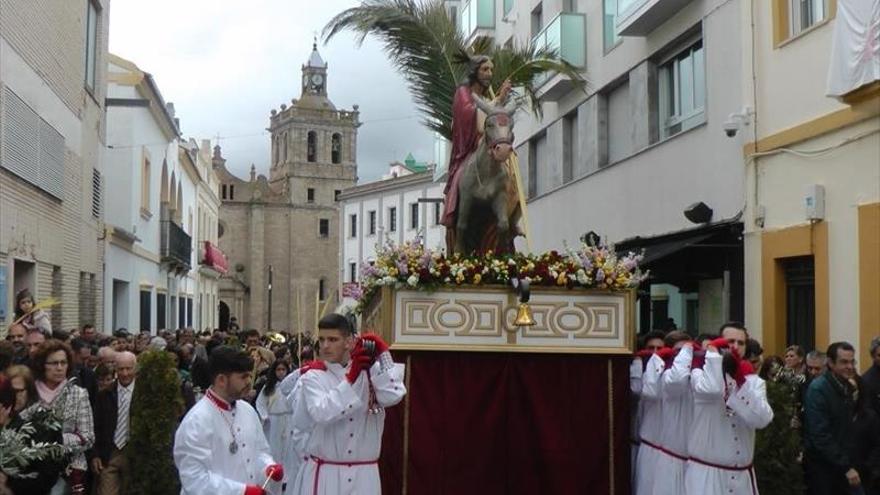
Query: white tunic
x=651, y=426
x=340, y=428
x=635, y=388
x=722, y=439
x=678, y=407
x=202, y=456
x=276, y=412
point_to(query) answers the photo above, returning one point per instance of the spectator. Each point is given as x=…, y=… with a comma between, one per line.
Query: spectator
x=27, y=314
x=7, y=355
x=22, y=381
x=817, y=362
x=770, y=367
x=52, y=368
x=871, y=378
x=794, y=359
x=33, y=340
x=112, y=413
x=653, y=341
x=828, y=425
x=89, y=334
x=754, y=353
x=106, y=355
x=85, y=377
x=865, y=444
x=17, y=333
x=105, y=376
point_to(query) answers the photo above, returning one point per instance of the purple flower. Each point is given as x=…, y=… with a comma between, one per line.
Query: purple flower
x=600, y=275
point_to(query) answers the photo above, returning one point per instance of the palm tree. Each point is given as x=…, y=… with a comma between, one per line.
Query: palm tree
x=425, y=46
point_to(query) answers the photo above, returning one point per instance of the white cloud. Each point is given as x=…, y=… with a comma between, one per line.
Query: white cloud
x=226, y=64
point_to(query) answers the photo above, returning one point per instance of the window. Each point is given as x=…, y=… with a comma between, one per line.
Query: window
x=682, y=91
x=96, y=193
x=189, y=311
x=619, y=120
x=324, y=227
x=537, y=21
x=31, y=148
x=392, y=219
x=437, y=207
x=160, y=311
x=372, y=222
x=414, y=215
x=92, y=19
x=312, y=146
x=537, y=152
x=804, y=14
x=336, y=148
x=231, y=192
x=800, y=301
x=181, y=311
x=508, y=6
x=609, y=25
x=310, y=195
x=353, y=225
x=321, y=290
x=145, y=185
x=223, y=191
x=352, y=272
x=569, y=146
x=144, y=319
x=336, y=193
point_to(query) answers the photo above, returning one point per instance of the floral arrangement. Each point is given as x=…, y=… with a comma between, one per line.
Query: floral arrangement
x=22, y=447
x=415, y=266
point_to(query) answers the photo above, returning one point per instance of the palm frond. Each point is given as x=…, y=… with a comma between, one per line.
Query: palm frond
x=427, y=48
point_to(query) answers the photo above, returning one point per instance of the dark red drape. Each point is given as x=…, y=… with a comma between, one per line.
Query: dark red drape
x=497, y=423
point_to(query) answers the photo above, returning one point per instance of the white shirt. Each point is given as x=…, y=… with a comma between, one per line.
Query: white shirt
x=276, y=412
x=202, y=455
x=677, y=411
x=341, y=429
x=650, y=427
x=723, y=430
x=123, y=408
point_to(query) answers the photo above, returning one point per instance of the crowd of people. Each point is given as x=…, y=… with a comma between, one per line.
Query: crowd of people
x=75, y=388
x=701, y=405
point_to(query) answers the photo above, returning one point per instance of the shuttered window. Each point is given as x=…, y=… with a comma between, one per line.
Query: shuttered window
x=96, y=193
x=32, y=149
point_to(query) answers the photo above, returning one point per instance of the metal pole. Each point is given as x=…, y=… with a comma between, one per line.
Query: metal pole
x=269, y=322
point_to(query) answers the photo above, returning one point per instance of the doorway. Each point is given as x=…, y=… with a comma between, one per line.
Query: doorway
x=224, y=316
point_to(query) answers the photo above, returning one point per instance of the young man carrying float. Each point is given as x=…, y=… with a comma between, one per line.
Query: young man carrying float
x=339, y=410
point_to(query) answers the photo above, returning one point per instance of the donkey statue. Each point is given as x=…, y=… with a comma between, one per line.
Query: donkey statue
x=488, y=210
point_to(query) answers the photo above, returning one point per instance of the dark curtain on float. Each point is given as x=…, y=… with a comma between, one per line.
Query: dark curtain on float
x=498, y=423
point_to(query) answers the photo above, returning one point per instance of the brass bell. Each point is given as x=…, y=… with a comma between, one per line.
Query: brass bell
x=524, y=316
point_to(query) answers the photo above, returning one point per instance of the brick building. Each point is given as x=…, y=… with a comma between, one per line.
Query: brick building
x=281, y=233
x=52, y=87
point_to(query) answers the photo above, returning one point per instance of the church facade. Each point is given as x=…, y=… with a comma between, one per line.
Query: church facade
x=281, y=232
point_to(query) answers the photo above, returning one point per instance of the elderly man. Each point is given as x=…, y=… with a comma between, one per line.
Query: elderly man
x=112, y=413
x=33, y=340
x=816, y=363
x=17, y=333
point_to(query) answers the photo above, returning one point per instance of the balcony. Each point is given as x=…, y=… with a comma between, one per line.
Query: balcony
x=566, y=34
x=176, y=250
x=212, y=260
x=477, y=19
x=640, y=17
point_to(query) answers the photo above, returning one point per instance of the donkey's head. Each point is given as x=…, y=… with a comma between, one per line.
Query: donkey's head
x=498, y=128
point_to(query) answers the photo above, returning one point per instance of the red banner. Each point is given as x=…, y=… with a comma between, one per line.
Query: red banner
x=215, y=258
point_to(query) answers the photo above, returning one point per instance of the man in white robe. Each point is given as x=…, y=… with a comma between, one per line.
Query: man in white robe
x=677, y=411
x=344, y=406
x=219, y=447
x=651, y=425
x=729, y=405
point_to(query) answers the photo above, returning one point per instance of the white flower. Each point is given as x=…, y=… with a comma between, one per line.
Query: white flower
x=413, y=280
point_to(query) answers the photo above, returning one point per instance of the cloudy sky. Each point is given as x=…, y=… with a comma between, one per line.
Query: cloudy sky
x=226, y=64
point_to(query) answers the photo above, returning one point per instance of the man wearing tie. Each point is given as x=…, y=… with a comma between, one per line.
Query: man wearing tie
x=112, y=415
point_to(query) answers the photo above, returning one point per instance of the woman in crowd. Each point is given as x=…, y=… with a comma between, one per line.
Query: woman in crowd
x=794, y=359
x=32, y=319
x=276, y=412
x=18, y=406
x=52, y=366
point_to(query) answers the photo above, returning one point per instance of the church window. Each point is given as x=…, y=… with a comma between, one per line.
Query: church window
x=353, y=230
x=223, y=191
x=392, y=219
x=336, y=194
x=231, y=191
x=310, y=195
x=372, y=222
x=352, y=273
x=324, y=227
x=283, y=147
x=321, y=290
x=336, y=148
x=312, y=146
x=437, y=207
x=414, y=215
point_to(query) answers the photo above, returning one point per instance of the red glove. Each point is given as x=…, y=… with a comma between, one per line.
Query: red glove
x=360, y=361
x=666, y=353
x=742, y=371
x=254, y=490
x=719, y=343
x=275, y=471
x=645, y=354
x=312, y=365
x=381, y=346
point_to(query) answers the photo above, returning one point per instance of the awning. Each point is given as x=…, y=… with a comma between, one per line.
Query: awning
x=660, y=250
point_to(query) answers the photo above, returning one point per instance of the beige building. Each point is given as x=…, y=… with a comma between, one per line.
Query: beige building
x=281, y=233
x=53, y=59
x=812, y=219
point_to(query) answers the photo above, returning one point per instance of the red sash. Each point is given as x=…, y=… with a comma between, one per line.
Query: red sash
x=320, y=462
x=665, y=450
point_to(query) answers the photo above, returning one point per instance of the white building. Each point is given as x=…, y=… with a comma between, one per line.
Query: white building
x=404, y=205
x=626, y=157
x=149, y=277
x=212, y=261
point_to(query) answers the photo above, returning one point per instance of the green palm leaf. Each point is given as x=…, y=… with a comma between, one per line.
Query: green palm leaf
x=425, y=46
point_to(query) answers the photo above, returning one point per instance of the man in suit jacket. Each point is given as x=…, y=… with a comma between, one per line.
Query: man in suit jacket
x=112, y=412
